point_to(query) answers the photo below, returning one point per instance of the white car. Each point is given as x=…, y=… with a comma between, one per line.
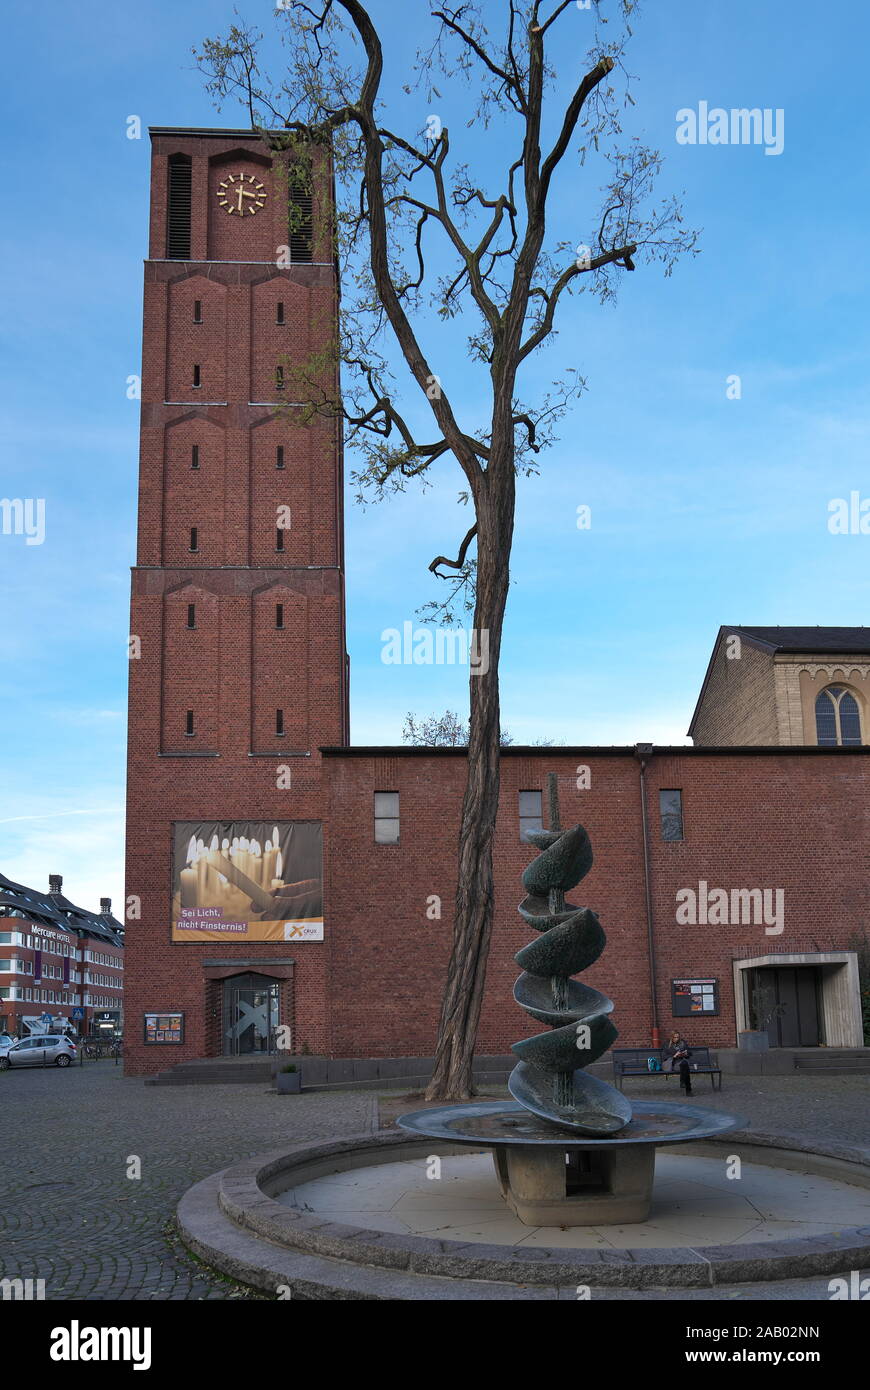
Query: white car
x=42, y=1050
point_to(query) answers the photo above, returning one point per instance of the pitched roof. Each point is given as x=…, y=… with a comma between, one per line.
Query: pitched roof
x=833, y=640
x=807, y=639
x=54, y=910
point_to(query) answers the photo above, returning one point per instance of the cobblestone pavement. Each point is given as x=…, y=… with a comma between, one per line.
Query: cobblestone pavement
x=834, y=1108
x=72, y=1216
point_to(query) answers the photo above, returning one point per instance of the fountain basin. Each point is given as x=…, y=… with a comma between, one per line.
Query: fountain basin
x=237, y=1223
x=553, y=1177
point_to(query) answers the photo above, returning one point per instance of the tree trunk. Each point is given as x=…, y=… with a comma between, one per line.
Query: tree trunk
x=452, y=1077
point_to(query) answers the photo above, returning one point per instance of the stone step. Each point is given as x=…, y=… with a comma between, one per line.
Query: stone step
x=403, y=1083
x=194, y=1074
x=850, y=1064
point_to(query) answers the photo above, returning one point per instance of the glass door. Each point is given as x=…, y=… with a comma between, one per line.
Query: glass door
x=252, y=1019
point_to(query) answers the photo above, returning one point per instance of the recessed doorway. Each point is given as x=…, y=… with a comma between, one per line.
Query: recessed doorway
x=808, y=999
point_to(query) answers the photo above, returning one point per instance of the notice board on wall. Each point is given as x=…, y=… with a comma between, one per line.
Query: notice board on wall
x=164, y=1028
x=691, y=998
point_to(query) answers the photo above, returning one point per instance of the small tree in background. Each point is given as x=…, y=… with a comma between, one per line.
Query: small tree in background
x=403, y=199
x=435, y=731
x=441, y=731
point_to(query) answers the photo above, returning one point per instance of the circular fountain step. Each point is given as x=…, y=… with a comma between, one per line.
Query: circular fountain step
x=239, y=1221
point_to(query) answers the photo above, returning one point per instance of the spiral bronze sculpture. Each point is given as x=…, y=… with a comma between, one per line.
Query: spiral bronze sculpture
x=549, y=1079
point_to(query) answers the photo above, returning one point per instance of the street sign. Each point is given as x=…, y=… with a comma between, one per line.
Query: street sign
x=78, y=1013
x=46, y=1019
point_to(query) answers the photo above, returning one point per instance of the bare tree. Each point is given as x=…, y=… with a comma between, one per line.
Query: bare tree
x=405, y=205
x=435, y=731
x=441, y=731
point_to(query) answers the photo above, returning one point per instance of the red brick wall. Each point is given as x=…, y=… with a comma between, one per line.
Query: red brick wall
x=235, y=669
x=373, y=986
x=388, y=960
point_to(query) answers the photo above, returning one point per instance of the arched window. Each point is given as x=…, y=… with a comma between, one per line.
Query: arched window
x=838, y=722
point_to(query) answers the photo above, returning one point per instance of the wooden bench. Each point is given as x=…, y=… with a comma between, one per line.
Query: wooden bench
x=632, y=1061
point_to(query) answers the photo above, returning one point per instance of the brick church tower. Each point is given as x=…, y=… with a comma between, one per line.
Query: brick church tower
x=238, y=671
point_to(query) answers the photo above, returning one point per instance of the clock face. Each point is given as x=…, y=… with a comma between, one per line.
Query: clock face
x=241, y=193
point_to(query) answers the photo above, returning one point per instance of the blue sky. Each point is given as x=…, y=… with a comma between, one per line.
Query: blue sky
x=705, y=510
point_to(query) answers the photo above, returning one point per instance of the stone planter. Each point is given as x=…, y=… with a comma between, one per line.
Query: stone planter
x=288, y=1083
x=754, y=1041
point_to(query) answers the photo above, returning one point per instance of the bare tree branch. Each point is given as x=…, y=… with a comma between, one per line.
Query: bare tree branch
x=460, y=559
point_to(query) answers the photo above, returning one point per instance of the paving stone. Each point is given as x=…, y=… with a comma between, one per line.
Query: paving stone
x=73, y=1217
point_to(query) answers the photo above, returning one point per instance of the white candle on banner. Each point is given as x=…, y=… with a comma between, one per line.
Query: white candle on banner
x=201, y=872
x=211, y=882
x=189, y=888
x=269, y=861
x=253, y=890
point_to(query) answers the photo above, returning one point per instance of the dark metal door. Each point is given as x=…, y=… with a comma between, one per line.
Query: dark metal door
x=784, y=1000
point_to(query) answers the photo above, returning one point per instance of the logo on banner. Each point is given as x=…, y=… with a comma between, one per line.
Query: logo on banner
x=303, y=931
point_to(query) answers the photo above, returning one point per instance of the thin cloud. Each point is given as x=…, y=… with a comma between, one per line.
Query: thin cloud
x=54, y=815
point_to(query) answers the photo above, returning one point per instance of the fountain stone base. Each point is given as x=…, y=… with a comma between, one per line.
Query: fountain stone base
x=554, y=1177
x=577, y=1188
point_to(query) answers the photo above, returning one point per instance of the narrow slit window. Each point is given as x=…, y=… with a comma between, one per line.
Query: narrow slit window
x=301, y=219
x=279, y=315
x=178, y=211
x=194, y=456
x=279, y=615
x=279, y=723
x=190, y=730
x=279, y=378
x=279, y=538
x=279, y=456
x=194, y=538
x=531, y=813
x=197, y=311
x=386, y=818
x=197, y=381
x=191, y=615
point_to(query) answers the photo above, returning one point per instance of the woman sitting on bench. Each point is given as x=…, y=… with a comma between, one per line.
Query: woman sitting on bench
x=679, y=1052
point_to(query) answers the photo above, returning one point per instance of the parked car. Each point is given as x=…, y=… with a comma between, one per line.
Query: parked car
x=42, y=1050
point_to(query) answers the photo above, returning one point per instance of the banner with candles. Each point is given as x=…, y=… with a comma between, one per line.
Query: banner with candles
x=247, y=881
